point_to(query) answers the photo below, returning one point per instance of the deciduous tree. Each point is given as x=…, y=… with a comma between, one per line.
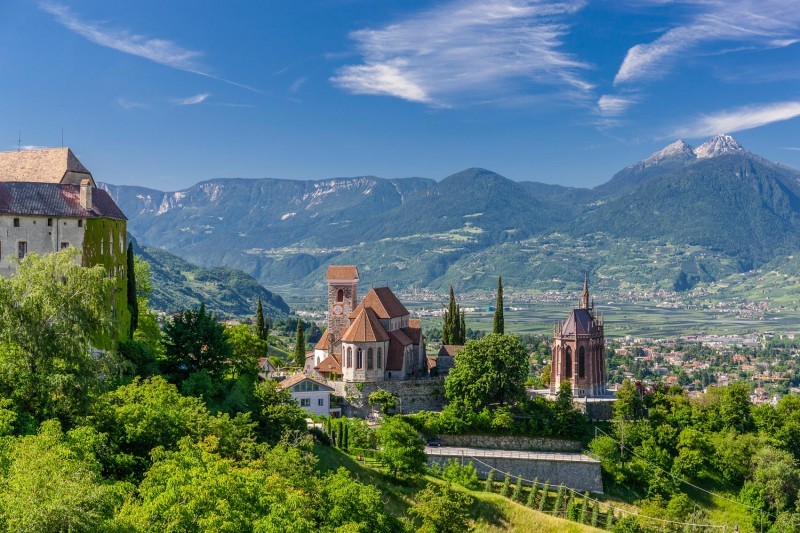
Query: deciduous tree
x=402, y=449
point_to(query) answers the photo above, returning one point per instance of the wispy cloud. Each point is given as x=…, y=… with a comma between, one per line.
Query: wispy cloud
x=741, y=118
x=27, y=147
x=191, y=100
x=795, y=148
x=469, y=49
x=162, y=51
x=129, y=105
x=762, y=24
x=297, y=84
x=610, y=105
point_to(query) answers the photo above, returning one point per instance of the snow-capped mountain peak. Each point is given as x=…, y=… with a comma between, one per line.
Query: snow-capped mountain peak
x=719, y=145
x=677, y=150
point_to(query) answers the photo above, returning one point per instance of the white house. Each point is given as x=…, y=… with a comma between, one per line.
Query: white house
x=309, y=394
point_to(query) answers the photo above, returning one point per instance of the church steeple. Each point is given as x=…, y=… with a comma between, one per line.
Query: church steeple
x=585, y=297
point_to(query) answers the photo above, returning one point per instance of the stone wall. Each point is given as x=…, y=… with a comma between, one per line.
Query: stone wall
x=413, y=395
x=40, y=238
x=580, y=475
x=510, y=443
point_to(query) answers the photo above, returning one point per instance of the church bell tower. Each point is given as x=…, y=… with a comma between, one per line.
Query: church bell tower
x=342, y=283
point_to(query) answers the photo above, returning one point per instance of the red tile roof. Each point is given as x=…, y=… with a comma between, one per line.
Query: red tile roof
x=331, y=365
x=383, y=301
x=450, y=350
x=394, y=359
x=324, y=342
x=415, y=334
x=341, y=272
x=579, y=322
x=51, y=165
x=365, y=328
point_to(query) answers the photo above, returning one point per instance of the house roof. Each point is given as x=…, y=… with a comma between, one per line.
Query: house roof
x=414, y=323
x=579, y=322
x=342, y=272
x=450, y=350
x=291, y=381
x=52, y=165
x=53, y=199
x=365, y=328
x=330, y=364
x=383, y=301
x=265, y=364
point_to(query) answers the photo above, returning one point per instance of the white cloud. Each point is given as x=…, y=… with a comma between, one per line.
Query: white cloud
x=762, y=24
x=742, y=118
x=127, y=104
x=28, y=147
x=610, y=105
x=469, y=49
x=297, y=84
x=191, y=100
x=162, y=51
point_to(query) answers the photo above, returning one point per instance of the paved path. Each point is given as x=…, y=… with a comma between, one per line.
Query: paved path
x=451, y=451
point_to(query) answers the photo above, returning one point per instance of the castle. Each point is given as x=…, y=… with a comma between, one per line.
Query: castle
x=49, y=201
x=368, y=341
x=579, y=351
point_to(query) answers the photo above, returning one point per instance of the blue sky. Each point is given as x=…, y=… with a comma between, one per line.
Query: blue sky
x=165, y=94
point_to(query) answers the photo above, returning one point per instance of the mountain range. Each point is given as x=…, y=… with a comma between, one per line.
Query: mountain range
x=683, y=213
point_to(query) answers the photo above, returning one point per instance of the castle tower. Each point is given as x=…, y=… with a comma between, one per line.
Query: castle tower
x=579, y=351
x=342, y=283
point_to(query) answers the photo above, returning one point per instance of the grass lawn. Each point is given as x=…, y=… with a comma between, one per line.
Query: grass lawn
x=490, y=512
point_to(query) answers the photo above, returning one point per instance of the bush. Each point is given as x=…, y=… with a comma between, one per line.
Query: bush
x=320, y=436
x=466, y=475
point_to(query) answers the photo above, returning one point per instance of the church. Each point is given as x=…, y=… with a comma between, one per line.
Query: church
x=579, y=351
x=371, y=340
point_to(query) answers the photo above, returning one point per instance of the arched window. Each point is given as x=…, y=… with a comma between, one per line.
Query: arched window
x=369, y=359
x=340, y=296
x=349, y=358
x=568, y=362
x=380, y=356
x=581, y=363
x=359, y=358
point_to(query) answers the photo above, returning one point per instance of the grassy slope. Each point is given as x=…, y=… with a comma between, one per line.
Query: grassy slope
x=490, y=512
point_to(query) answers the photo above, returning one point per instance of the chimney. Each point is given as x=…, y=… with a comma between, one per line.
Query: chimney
x=86, y=194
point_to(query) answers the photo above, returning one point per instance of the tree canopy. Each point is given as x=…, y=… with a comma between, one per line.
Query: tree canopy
x=490, y=370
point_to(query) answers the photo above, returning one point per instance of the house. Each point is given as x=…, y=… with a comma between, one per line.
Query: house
x=371, y=340
x=309, y=393
x=445, y=359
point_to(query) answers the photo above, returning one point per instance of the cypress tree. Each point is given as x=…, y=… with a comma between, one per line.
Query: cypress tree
x=559, y=501
x=133, y=301
x=499, y=320
x=462, y=329
x=517, y=495
x=532, y=495
x=345, y=438
x=261, y=326
x=610, y=519
x=300, y=346
x=584, y=508
x=506, y=485
x=595, y=514
x=489, y=486
x=570, y=511
x=543, y=497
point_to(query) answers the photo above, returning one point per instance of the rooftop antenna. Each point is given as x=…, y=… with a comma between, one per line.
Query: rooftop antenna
x=62, y=136
x=19, y=140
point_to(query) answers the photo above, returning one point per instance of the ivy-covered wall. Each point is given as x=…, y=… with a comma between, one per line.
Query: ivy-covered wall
x=104, y=244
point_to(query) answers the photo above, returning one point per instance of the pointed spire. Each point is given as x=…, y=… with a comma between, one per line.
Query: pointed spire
x=585, y=291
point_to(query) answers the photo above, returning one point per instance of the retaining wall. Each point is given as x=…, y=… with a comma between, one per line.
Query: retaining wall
x=579, y=474
x=413, y=395
x=510, y=443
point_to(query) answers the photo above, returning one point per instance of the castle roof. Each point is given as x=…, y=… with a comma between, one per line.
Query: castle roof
x=54, y=199
x=579, y=322
x=415, y=334
x=383, y=302
x=51, y=165
x=342, y=273
x=365, y=328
